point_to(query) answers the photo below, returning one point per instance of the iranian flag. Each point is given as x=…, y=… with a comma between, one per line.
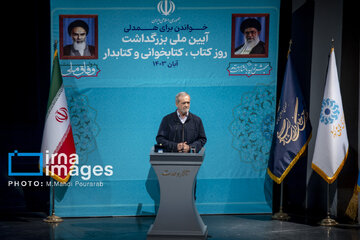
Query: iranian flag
x=58, y=143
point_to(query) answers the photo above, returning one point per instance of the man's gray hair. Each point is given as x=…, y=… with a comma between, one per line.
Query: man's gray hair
x=180, y=94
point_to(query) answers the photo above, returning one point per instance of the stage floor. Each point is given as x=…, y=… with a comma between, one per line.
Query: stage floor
x=220, y=227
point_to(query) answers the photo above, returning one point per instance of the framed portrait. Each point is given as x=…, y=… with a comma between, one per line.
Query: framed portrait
x=78, y=36
x=250, y=35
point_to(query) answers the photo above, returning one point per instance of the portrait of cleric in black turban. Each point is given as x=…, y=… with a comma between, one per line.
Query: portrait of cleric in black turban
x=78, y=37
x=250, y=35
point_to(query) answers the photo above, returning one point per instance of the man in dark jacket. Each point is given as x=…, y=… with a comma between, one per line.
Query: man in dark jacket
x=181, y=130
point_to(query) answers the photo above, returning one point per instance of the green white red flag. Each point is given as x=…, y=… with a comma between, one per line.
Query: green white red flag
x=58, y=142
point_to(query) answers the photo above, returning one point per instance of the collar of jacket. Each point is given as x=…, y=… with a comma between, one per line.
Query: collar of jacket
x=176, y=117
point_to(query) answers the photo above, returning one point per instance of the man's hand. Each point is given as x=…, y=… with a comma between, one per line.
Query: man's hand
x=186, y=148
x=183, y=147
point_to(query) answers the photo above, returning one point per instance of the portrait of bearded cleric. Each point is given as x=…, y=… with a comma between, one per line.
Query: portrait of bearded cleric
x=250, y=35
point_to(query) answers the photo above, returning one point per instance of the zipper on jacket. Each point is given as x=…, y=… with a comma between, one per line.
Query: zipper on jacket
x=183, y=136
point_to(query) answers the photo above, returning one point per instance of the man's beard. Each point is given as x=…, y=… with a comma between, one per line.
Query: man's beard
x=248, y=46
x=184, y=111
x=80, y=46
x=252, y=42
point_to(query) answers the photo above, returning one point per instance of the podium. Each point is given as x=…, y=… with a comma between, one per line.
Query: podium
x=177, y=217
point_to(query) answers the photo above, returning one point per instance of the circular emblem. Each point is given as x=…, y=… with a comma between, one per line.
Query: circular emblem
x=61, y=115
x=329, y=111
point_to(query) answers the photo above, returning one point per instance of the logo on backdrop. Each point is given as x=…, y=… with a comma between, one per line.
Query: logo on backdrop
x=249, y=68
x=86, y=69
x=166, y=7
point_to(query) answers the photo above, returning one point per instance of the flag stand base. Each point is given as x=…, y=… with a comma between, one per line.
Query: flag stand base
x=328, y=222
x=53, y=219
x=281, y=216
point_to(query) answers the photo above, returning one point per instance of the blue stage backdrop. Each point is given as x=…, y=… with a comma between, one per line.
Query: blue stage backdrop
x=141, y=53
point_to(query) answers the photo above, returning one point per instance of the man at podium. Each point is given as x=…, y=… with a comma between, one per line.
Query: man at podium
x=181, y=131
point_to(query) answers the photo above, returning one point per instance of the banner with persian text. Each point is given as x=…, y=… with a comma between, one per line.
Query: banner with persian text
x=122, y=64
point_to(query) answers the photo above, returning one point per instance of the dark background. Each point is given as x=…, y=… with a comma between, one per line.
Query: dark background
x=24, y=93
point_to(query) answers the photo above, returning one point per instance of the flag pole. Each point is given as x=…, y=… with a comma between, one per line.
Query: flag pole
x=289, y=50
x=328, y=221
x=53, y=218
x=282, y=216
